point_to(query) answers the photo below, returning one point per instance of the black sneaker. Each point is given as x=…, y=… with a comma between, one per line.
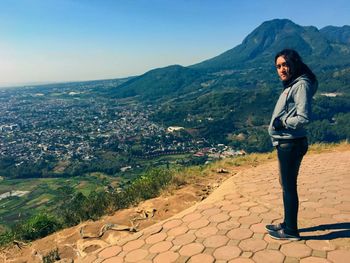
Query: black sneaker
x=282, y=235
x=276, y=227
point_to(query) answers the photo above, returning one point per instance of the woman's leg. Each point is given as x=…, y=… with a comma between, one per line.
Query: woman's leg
x=290, y=155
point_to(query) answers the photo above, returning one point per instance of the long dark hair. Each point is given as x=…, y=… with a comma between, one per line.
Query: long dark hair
x=296, y=64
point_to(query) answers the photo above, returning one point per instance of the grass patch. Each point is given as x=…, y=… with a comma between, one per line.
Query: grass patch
x=328, y=147
x=43, y=194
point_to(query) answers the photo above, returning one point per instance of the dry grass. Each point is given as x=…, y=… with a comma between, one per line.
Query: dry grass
x=205, y=174
x=329, y=147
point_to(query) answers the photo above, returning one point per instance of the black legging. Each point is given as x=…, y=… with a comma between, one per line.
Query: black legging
x=290, y=154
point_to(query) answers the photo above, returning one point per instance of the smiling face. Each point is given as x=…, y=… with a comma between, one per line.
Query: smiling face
x=283, y=69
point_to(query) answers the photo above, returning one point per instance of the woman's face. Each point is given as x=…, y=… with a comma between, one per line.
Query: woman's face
x=283, y=69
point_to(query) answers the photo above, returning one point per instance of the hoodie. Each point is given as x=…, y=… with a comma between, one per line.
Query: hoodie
x=293, y=108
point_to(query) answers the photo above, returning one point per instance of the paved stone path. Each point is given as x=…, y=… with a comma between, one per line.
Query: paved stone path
x=229, y=225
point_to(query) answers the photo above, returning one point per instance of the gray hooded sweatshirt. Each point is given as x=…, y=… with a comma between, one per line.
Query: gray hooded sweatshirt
x=294, y=109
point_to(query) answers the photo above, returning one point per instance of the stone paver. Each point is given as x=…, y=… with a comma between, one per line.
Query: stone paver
x=110, y=252
x=258, y=228
x=202, y=258
x=177, y=231
x=156, y=238
x=114, y=260
x=184, y=239
x=324, y=245
x=198, y=223
x=296, y=249
x=339, y=256
x=227, y=252
x=191, y=249
x=168, y=256
x=240, y=233
x=252, y=245
x=229, y=225
x=132, y=245
x=136, y=255
x=222, y=217
x=172, y=223
x=241, y=260
x=314, y=260
x=206, y=231
x=191, y=217
x=160, y=247
x=268, y=256
x=215, y=241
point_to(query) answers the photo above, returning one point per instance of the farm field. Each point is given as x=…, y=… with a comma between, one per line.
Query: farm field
x=43, y=194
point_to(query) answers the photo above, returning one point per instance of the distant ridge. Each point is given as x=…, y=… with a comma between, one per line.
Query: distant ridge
x=325, y=50
x=260, y=46
x=174, y=79
x=337, y=34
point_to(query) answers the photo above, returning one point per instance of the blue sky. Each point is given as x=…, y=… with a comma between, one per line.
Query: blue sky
x=71, y=40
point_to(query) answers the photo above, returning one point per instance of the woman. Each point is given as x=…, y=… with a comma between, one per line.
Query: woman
x=288, y=134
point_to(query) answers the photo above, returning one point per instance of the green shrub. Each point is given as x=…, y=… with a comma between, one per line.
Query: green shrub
x=74, y=210
x=148, y=185
x=6, y=238
x=145, y=187
x=97, y=204
x=37, y=226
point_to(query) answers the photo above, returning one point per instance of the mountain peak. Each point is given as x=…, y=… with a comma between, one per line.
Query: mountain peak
x=269, y=33
x=278, y=22
x=269, y=38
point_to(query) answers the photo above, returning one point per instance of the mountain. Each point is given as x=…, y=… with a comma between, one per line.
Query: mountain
x=335, y=34
x=248, y=65
x=260, y=46
x=158, y=83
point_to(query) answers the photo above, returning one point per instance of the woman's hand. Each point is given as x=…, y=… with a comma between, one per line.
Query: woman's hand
x=277, y=124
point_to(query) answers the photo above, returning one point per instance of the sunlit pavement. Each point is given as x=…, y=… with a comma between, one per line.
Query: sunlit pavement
x=229, y=225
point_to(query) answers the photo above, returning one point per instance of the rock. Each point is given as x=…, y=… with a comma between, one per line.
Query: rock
x=216, y=185
x=222, y=171
x=83, y=245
